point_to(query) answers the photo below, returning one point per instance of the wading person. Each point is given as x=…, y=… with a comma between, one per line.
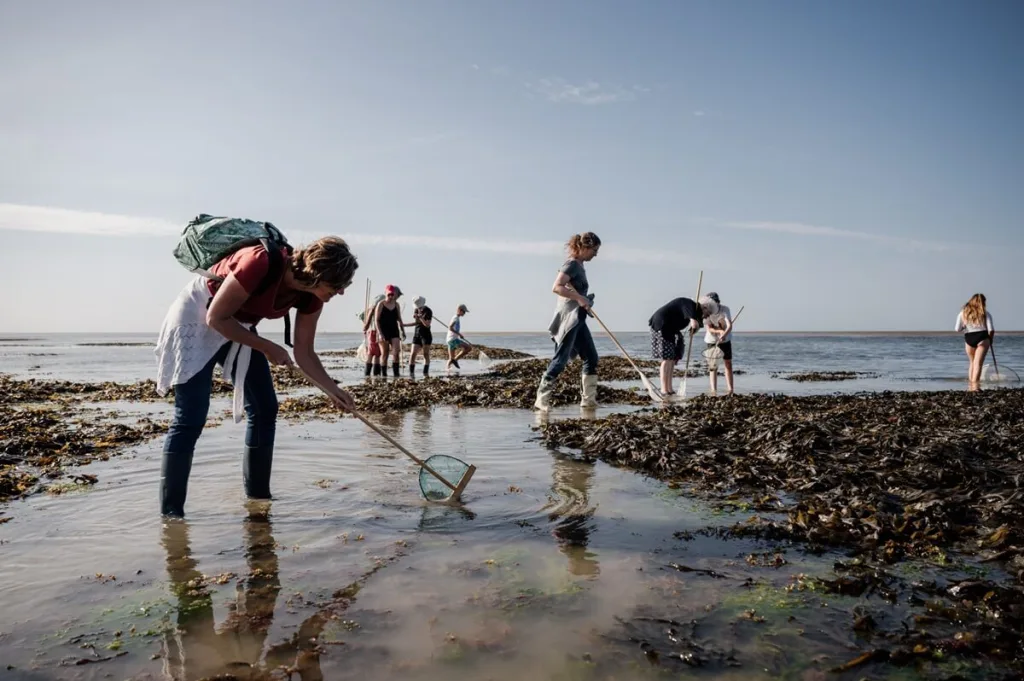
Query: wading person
x=667, y=324
x=568, y=327
x=370, y=334
x=975, y=321
x=214, y=322
x=719, y=332
x=422, y=335
x=390, y=331
x=457, y=345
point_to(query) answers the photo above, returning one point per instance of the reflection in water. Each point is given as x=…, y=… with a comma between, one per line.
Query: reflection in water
x=574, y=514
x=196, y=647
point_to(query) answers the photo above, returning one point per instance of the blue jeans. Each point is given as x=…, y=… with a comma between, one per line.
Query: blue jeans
x=191, y=407
x=577, y=341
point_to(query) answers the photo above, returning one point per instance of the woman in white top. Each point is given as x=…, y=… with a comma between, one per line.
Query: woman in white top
x=719, y=331
x=979, y=334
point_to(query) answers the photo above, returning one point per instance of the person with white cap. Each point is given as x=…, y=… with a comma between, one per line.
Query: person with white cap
x=422, y=335
x=719, y=332
x=457, y=345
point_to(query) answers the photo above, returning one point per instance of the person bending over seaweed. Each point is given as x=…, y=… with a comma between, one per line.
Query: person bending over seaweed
x=667, y=324
x=213, y=322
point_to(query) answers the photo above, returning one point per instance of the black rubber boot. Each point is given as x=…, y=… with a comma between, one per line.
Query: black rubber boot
x=369, y=368
x=174, y=472
x=426, y=369
x=412, y=371
x=256, y=471
x=376, y=370
x=394, y=369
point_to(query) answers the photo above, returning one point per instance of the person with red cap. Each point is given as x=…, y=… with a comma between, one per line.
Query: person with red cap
x=390, y=328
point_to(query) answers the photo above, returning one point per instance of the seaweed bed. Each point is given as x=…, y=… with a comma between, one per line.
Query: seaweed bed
x=820, y=376
x=884, y=478
x=439, y=351
x=384, y=396
x=611, y=368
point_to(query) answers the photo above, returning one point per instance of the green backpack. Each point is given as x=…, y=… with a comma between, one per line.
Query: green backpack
x=207, y=240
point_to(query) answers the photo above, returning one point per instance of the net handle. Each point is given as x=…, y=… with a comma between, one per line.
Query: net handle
x=389, y=439
x=404, y=450
x=463, y=338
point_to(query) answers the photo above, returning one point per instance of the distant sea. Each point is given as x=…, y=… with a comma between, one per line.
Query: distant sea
x=901, y=361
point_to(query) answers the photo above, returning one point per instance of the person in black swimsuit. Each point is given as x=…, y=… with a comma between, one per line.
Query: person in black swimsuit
x=390, y=330
x=422, y=336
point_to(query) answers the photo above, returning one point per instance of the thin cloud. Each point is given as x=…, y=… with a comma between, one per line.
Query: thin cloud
x=590, y=93
x=819, y=231
x=61, y=220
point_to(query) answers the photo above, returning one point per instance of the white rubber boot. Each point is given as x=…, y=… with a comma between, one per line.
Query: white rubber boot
x=588, y=399
x=544, y=391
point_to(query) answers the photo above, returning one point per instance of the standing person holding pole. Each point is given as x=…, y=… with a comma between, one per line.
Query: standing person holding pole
x=568, y=327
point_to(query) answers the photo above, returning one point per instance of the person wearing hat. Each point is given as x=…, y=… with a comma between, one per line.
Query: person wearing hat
x=370, y=334
x=667, y=324
x=457, y=345
x=390, y=330
x=422, y=336
x=719, y=332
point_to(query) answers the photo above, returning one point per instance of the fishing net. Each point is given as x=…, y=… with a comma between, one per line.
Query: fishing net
x=1001, y=374
x=712, y=355
x=449, y=468
x=485, y=361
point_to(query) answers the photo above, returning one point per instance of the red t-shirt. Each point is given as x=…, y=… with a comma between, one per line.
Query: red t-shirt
x=250, y=265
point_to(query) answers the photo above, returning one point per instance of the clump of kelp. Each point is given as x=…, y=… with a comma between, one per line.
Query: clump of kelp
x=390, y=395
x=612, y=368
x=17, y=391
x=822, y=376
x=439, y=351
x=37, y=444
x=887, y=474
x=44, y=430
x=933, y=478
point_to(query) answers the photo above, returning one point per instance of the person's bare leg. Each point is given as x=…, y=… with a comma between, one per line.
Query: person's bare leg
x=970, y=363
x=728, y=375
x=713, y=377
x=667, y=365
x=979, y=360
x=412, y=359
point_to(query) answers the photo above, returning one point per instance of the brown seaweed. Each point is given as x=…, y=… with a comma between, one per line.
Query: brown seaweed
x=887, y=474
x=41, y=443
x=821, y=376
x=610, y=368
x=439, y=351
x=391, y=395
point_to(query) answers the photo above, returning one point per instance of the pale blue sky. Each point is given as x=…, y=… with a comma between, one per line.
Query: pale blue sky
x=831, y=166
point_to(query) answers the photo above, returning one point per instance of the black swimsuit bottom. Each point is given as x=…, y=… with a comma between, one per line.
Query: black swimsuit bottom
x=975, y=337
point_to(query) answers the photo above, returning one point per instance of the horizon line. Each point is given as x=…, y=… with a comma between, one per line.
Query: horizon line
x=20, y=335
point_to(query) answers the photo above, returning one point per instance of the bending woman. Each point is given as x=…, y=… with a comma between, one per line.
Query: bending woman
x=979, y=334
x=568, y=328
x=214, y=323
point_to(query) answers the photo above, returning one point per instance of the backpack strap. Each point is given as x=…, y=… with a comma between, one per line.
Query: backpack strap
x=274, y=273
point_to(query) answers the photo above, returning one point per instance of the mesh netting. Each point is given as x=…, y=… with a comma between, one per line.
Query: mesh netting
x=448, y=467
x=1003, y=374
x=712, y=355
